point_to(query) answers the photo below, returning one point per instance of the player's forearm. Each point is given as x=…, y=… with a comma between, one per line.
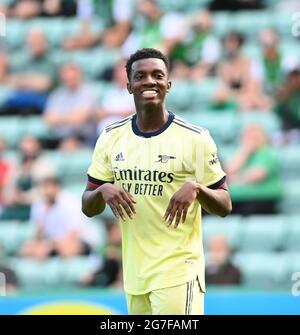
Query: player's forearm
x=92, y=203
x=216, y=202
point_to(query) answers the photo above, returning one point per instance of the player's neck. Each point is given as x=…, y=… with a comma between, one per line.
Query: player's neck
x=152, y=119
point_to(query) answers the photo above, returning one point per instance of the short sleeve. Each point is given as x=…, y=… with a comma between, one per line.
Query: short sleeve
x=209, y=171
x=100, y=169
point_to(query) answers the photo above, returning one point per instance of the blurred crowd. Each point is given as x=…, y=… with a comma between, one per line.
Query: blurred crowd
x=65, y=98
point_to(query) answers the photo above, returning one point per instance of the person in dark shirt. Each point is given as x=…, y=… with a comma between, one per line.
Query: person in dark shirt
x=220, y=270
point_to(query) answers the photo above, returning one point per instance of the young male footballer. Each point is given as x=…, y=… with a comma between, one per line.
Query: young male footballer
x=156, y=171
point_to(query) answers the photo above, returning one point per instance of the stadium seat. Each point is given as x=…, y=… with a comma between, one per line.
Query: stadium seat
x=35, y=126
x=52, y=272
x=250, y=22
x=268, y=120
x=71, y=167
x=5, y=91
x=291, y=196
x=263, y=233
x=181, y=5
x=10, y=130
x=223, y=131
x=263, y=270
x=13, y=234
x=229, y=227
x=17, y=31
x=293, y=236
x=289, y=157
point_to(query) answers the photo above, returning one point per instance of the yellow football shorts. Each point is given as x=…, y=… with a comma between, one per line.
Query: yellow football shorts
x=185, y=299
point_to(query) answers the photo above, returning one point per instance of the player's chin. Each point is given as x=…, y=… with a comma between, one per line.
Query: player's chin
x=153, y=102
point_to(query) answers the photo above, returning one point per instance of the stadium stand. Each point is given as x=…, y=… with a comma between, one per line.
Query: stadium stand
x=265, y=248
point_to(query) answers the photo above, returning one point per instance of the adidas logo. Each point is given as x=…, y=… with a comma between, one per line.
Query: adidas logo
x=119, y=157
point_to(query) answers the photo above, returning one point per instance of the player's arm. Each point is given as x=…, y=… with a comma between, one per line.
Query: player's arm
x=214, y=200
x=92, y=202
x=95, y=197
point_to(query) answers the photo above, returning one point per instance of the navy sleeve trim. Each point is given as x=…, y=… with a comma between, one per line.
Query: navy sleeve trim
x=218, y=184
x=97, y=182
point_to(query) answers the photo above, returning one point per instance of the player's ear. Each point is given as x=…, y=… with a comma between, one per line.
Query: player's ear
x=169, y=86
x=129, y=88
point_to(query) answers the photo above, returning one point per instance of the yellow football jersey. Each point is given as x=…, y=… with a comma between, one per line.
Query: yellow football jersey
x=152, y=167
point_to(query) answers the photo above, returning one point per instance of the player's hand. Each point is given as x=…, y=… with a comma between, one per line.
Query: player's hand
x=118, y=199
x=180, y=203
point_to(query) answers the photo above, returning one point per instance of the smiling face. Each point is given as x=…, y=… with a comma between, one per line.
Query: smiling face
x=149, y=82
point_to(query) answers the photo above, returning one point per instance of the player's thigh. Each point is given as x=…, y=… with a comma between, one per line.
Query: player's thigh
x=186, y=299
x=138, y=304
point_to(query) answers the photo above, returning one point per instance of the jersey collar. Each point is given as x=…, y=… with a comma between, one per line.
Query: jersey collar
x=138, y=132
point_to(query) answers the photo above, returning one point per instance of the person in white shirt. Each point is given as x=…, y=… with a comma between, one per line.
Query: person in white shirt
x=60, y=225
x=116, y=102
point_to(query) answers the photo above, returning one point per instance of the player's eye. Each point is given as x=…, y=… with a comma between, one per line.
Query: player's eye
x=138, y=76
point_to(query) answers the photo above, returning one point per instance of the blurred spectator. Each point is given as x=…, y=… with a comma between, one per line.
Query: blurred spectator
x=6, y=173
x=116, y=103
x=110, y=270
x=11, y=279
x=27, y=9
x=287, y=6
x=155, y=30
x=3, y=65
x=275, y=64
x=61, y=228
x=234, y=5
x=70, y=108
x=219, y=269
x=22, y=190
x=198, y=52
x=241, y=80
x=32, y=78
x=253, y=174
x=287, y=108
x=118, y=13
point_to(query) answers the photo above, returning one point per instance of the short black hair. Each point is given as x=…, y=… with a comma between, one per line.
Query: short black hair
x=143, y=54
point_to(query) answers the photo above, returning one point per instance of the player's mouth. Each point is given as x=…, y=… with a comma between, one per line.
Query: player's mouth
x=149, y=94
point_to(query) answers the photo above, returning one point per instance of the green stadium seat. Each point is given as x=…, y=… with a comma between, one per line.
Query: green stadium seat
x=223, y=131
x=293, y=263
x=289, y=157
x=181, y=5
x=10, y=130
x=282, y=22
x=291, y=196
x=16, y=31
x=221, y=23
x=293, y=236
x=35, y=126
x=263, y=233
x=229, y=227
x=13, y=234
x=250, y=22
x=4, y=94
x=51, y=272
x=268, y=120
x=263, y=270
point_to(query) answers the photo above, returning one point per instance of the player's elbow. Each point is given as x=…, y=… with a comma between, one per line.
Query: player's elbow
x=226, y=210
